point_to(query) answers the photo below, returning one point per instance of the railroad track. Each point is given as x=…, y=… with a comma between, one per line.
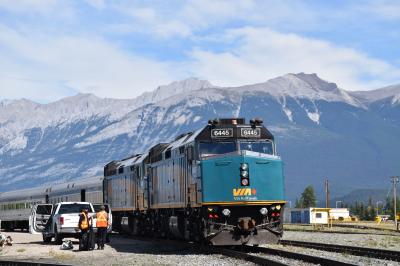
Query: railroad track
x=358, y=226
x=255, y=254
x=248, y=257
x=354, y=226
x=243, y=253
x=358, y=251
x=248, y=253
x=344, y=232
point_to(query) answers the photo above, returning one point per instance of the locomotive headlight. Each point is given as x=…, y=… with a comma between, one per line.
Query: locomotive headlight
x=244, y=173
x=245, y=182
x=278, y=207
x=226, y=212
x=244, y=166
x=272, y=207
x=264, y=211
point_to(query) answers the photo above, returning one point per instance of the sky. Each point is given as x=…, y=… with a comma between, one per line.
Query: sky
x=51, y=49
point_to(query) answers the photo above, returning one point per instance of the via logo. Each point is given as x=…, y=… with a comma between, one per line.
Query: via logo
x=244, y=192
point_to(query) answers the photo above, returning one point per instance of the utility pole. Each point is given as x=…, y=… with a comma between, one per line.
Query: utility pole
x=326, y=193
x=395, y=180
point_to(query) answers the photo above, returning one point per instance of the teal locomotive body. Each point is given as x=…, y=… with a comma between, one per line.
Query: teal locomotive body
x=222, y=184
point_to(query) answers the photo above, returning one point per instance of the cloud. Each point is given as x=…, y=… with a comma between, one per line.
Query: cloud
x=50, y=49
x=99, y=4
x=42, y=64
x=385, y=10
x=28, y=6
x=194, y=17
x=149, y=21
x=261, y=53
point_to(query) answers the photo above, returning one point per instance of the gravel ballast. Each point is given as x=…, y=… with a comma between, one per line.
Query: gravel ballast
x=121, y=251
x=127, y=251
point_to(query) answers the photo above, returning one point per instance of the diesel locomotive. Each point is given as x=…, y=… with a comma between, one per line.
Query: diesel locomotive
x=222, y=184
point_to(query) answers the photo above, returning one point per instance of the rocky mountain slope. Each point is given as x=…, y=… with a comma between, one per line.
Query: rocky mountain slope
x=322, y=131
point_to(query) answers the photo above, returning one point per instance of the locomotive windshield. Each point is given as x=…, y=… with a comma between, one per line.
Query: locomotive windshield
x=214, y=148
x=261, y=147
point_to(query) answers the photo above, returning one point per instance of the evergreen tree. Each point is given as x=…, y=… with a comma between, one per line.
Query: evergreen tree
x=298, y=204
x=388, y=209
x=370, y=214
x=307, y=198
x=361, y=211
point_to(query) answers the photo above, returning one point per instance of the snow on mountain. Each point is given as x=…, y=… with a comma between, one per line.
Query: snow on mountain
x=313, y=121
x=308, y=86
x=20, y=115
x=175, y=88
x=390, y=92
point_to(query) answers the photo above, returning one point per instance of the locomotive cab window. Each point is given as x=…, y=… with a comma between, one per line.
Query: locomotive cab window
x=265, y=147
x=215, y=148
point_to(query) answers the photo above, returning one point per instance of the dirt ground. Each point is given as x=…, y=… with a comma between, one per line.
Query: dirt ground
x=120, y=251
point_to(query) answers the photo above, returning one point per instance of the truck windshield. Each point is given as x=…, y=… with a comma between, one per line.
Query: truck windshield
x=73, y=208
x=261, y=147
x=214, y=148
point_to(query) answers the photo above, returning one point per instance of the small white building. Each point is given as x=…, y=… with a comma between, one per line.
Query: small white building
x=339, y=214
x=313, y=215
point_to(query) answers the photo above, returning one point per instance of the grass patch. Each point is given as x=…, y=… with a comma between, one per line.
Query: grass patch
x=372, y=243
x=20, y=250
x=59, y=255
x=396, y=240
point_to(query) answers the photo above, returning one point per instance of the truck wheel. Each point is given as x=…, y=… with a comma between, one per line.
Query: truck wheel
x=46, y=239
x=57, y=238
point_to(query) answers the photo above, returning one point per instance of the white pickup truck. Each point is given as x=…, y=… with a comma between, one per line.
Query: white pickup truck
x=60, y=220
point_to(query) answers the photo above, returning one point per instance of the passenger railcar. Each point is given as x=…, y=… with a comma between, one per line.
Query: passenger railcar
x=222, y=184
x=15, y=206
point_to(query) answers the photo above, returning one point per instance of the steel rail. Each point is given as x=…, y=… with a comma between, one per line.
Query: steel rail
x=359, y=226
x=342, y=232
x=28, y=263
x=353, y=250
x=295, y=256
x=245, y=256
x=206, y=249
x=242, y=252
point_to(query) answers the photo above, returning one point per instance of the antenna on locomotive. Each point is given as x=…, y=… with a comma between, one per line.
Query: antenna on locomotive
x=213, y=122
x=256, y=122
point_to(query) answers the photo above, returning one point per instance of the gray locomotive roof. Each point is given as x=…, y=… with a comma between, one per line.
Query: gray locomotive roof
x=184, y=139
x=136, y=159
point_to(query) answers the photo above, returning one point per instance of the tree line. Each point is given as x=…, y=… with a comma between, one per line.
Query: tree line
x=364, y=211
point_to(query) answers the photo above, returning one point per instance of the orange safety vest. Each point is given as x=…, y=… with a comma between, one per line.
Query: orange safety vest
x=101, y=219
x=84, y=224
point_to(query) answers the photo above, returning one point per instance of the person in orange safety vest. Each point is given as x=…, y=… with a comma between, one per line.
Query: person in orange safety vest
x=101, y=224
x=84, y=226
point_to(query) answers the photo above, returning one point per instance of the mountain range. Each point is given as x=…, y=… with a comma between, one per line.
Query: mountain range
x=322, y=131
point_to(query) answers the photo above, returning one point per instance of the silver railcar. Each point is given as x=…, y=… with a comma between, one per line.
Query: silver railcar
x=15, y=206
